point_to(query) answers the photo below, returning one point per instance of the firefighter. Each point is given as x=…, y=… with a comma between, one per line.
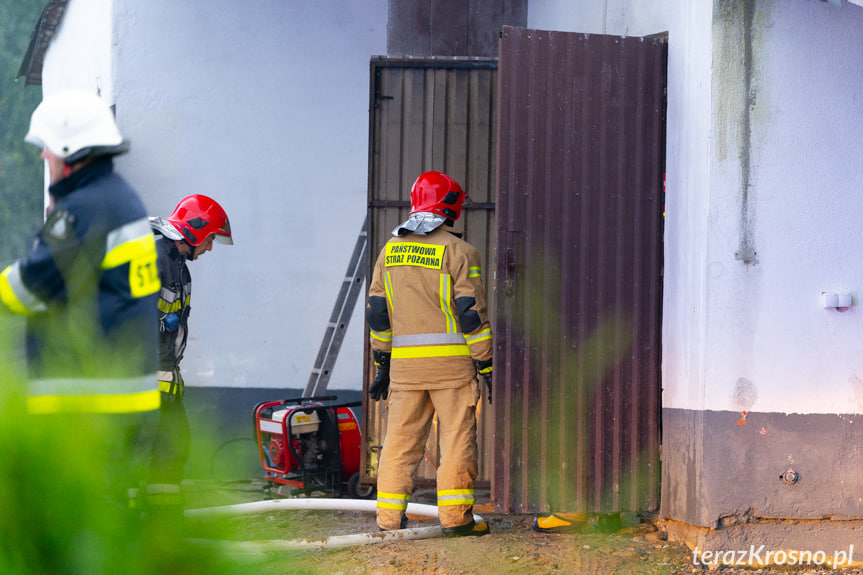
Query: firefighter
x=88, y=288
x=185, y=235
x=430, y=337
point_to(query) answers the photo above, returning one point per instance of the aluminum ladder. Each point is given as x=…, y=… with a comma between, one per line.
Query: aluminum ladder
x=340, y=318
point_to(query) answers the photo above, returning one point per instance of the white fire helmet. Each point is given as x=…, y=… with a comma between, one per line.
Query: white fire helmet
x=75, y=124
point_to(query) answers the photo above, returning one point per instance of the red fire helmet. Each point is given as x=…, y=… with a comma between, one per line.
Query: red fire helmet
x=198, y=216
x=437, y=193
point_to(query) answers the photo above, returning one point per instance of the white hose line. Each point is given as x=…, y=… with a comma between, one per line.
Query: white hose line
x=336, y=541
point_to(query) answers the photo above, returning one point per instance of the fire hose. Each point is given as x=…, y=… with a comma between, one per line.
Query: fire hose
x=336, y=541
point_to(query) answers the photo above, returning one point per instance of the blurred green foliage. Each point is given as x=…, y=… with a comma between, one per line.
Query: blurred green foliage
x=59, y=512
x=63, y=505
x=21, y=170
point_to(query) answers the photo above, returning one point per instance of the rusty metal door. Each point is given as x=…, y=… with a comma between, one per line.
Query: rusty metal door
x=579, y=272
x=424, y=115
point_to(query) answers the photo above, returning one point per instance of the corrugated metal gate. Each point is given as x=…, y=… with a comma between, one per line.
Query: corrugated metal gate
x=579, y=272
x=431, y=115
x=576, y=247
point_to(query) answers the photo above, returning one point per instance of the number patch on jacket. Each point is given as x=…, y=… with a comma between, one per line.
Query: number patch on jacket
x=144, y=276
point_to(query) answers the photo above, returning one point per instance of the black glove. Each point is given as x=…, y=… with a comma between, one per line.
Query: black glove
x=484, y=369
x=379, y=388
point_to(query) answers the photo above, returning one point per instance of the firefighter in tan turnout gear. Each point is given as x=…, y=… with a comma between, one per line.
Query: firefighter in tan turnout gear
x=430, y=337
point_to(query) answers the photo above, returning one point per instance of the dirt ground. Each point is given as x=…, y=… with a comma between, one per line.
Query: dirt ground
x=512, y=547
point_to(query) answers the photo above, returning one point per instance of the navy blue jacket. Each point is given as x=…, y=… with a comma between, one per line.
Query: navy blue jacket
x=90, y=286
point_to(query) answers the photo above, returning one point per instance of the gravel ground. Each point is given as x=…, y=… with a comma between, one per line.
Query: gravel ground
x=511, y=548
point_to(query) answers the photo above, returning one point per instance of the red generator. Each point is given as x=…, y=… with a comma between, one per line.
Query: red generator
x=307, y=445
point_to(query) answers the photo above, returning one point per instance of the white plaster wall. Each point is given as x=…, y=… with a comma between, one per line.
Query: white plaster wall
x=79, y=56
x=264, y=108
x=740, y=336
x=770, y=344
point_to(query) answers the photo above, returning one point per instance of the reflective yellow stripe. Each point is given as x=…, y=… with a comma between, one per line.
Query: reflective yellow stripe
x=8, y=297
x=443, y=503
x=445, y=303
x=384, y=336
x=165, y=386
x=481, y=336
x=486, y=370
x=129, y=251
x=114, y=403
x=134, y=244
x=397, y=496
x=166, y=307
x=393, y=500
x=431, y=351
x=473, y=272
x=385, y=505
x=455, y=497
x=388, y=286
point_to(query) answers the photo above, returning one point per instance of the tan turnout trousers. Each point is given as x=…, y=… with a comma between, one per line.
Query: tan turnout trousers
x=408, y=425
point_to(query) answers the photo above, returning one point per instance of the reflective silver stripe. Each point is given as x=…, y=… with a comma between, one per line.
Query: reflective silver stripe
x=88, y=386
x=162, y=488
x=384, y=336
x=477, y=337
x=393, y=500
x=24, y=296
x=168, y=295
x=455, y=497
x=428, y=339
x=127, y=233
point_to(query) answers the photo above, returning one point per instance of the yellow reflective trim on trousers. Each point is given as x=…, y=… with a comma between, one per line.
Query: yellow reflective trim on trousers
x=444, y=503
x=385, y=505
x=397, y=496
x=445, y=303
x=430, y=351
x=455, y=497
x=384, y=336
x=114, y=403
x=393, y=500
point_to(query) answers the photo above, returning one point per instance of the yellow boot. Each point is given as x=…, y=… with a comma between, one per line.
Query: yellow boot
x=560, y=523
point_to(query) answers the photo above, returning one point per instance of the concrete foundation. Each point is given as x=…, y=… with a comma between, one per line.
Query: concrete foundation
x=786, y=481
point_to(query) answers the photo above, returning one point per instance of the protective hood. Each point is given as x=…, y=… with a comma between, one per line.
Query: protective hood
x=166, y=228
x=419, y=223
